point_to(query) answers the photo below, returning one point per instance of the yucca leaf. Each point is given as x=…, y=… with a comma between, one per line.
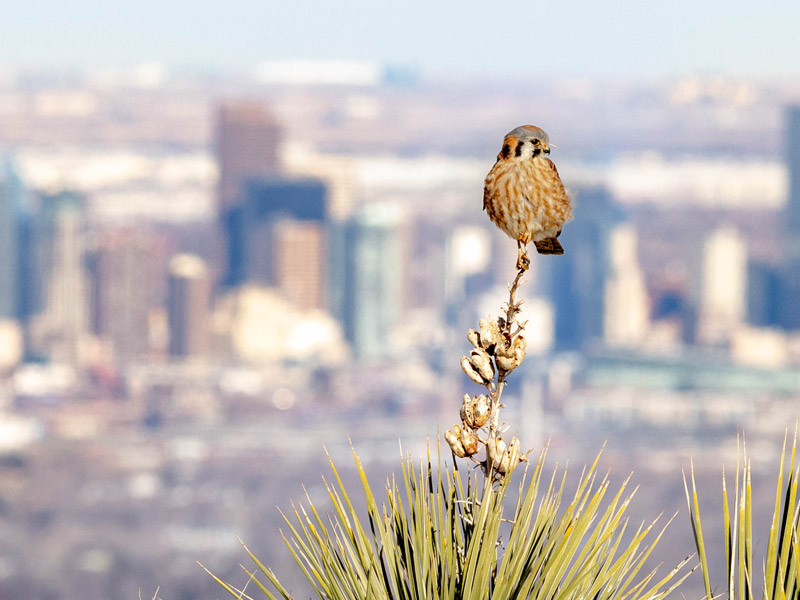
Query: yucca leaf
x=268, y=572
x=771, y=564
x=781, y=570
x=439, y=534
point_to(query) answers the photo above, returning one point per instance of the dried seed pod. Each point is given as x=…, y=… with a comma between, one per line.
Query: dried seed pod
x=481, y=409
x=510, y=457
x=510, y=346
x=452, y=439
x=469, y=441
x=471, y=372
x=495, y=449
x=468, y=410
x=474, y=338
x=491, y=450
x=504, y=363
x=519, y=352
x=483, y=363
x=510, y=357
x=504, y=350
x=521, y=342
x=490, y=335
x=509, y=363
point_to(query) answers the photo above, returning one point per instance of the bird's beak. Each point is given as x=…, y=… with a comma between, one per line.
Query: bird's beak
x=545, y=148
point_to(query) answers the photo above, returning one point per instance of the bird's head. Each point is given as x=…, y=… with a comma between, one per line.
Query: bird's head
x=526, y=141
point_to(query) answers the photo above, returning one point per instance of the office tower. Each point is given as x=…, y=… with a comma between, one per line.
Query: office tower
x=299, y=256
x=575, y=282
x=793, y=163
x=257, y=229
x=61, y=327
x=763, y=294
x=188, y=298
x=247, y=139
x=337, y=172
x=426, y=267
x=247, y=142
x=11, y=195
x=627, y=313
x=124, y=277
x=789, y=316
x=723, y=286
x=372, y=252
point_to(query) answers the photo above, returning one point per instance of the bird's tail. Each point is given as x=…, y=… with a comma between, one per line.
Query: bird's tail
x=549, y=246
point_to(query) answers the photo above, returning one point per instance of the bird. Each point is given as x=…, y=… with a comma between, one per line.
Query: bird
x=523, y=193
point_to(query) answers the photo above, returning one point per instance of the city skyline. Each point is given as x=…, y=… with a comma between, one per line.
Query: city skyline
x=148, y=415
x=264, y=174
x=566, y=38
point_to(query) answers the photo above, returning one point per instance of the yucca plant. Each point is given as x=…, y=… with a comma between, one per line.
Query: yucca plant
x=443, y=534
x=440, y=534
x=781, y=567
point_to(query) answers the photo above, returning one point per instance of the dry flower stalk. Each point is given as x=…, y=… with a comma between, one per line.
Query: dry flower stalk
x=498, y=347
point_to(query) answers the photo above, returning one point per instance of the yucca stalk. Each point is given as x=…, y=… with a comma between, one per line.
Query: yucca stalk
x=439, y=534
x=498, y=348
x=781, y=567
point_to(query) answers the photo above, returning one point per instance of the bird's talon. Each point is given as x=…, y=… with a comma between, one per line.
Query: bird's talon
x=523, y=262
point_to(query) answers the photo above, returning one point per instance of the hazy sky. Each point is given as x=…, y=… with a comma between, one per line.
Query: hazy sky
x=466, y=37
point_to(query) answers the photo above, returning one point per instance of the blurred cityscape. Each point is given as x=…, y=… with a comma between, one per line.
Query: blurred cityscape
x=205, y=278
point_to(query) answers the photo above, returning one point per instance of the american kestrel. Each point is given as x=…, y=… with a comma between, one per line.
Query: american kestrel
x=524, y=195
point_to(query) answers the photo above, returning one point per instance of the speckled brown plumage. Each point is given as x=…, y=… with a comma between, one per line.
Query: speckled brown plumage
x=523, y=194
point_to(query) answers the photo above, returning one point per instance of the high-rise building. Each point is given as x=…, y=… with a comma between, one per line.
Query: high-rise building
x=789, y=313
x=575, y=282
x=188, y=311
x=371, y=250
x=124, y=277
x=793, y=163
x=299, y=256
x=723, y=286
x=763, y=295
x=273, y=215
x=247, y=142
x=11, y=193
x=627, y=308
x=62, y=325
x=338, y=173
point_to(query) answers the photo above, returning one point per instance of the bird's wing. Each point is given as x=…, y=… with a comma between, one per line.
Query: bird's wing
x=556, y=178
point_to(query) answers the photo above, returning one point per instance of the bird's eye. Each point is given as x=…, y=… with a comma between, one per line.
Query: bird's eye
x=535, y=142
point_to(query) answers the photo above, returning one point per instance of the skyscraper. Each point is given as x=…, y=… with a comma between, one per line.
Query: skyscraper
x=723, y=286
x=11, y=192
x=575, y=282
x=247, y=140
x=793, y=163
x=627, y=314
x=372, y=253
x=763, y=294
x=300, y=269
x=188, y=298
x=789, y=311
x=264, y=244
x=59, y=235
x=124, y=278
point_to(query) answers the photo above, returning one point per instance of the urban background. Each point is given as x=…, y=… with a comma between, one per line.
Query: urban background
x=211, y=279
